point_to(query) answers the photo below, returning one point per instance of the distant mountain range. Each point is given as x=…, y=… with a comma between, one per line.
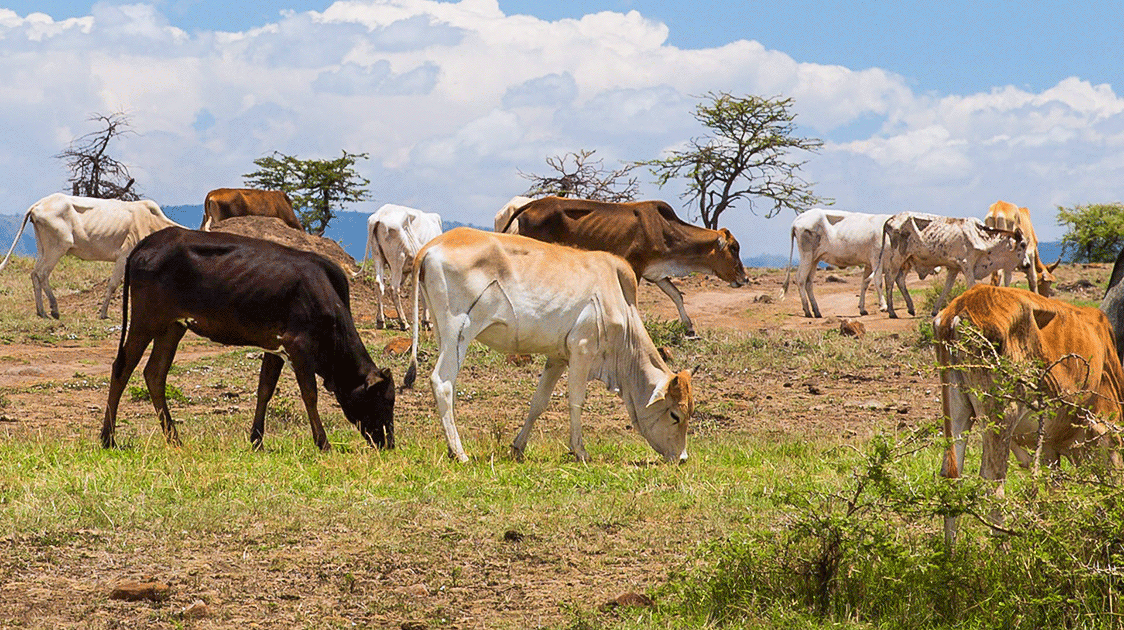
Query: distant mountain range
x=349, y=229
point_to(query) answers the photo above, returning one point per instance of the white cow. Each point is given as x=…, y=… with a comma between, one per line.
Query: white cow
x=519, y=295
x=91, y=229
x=841, y=239
x=925, y=242
x=503, y=217
x=395, y=234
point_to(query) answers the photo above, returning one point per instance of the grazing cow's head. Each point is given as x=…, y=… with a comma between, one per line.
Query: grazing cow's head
x=1046, y=278
x=727, y=259
x=370, y=407
x=663, y=422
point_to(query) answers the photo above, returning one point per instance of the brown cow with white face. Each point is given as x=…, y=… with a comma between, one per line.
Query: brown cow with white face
x=656, y=243
x=224, y=203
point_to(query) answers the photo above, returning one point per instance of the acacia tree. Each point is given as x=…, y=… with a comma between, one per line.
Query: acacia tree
x=1094, y=232
x=93, y=172
x=580, y=176
x=745, y=157
x=317, y=187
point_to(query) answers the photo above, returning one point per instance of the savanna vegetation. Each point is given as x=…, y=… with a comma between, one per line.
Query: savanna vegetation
x=810, y=498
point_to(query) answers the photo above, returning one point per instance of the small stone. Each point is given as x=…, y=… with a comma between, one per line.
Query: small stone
x=413, y=625
x=397, y=346
x=852, y=328
x=629, y=600
x=519, y=360
x=132, y=591
x=197, y=610
x=764, y=298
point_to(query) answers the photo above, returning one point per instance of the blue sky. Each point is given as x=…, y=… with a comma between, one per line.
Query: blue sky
x=942, y=107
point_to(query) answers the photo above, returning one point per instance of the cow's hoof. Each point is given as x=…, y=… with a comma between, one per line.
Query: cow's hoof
x=892, y=315
x=380, y=324
x=862, y=311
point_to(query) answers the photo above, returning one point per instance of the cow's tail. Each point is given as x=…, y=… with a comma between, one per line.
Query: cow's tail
x=788, y=272
x=412, y=371
x=11, y=249
x=124, y=310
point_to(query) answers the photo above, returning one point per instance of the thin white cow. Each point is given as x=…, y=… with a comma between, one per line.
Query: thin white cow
x=519, y=295
x=91, y=229
x=503, y=217
x=924, y=242
x=395, y=234
x=841, y=239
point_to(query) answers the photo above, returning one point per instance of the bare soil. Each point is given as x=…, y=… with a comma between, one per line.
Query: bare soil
x=502, y=585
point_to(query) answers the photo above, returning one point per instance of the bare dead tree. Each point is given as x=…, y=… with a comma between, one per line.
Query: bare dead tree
x=93, y=173
x=579, y=176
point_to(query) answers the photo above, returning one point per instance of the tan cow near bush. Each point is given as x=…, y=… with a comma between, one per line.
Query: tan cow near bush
x=1072, y=368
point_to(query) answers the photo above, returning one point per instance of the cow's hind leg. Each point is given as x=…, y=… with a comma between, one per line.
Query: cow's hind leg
x=271, y=365
x=128, y=356
x=672, y=292
x=114, y=282
x=156, y=377
x=40, y=281
x=550, y=375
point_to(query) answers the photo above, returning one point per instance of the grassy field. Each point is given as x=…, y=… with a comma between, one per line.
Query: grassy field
x=810, y=452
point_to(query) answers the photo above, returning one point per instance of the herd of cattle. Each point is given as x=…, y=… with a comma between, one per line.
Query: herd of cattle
x=559, y=277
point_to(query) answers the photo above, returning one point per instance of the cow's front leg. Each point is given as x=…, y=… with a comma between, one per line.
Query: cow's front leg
x=576, y=385
x=672, y=292
x=115, y=279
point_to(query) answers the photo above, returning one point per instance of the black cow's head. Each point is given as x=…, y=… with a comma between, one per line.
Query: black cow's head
x=370, y=407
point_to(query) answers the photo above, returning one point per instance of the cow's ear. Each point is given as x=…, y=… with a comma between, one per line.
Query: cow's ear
x=1042, y=317
x=660, y=392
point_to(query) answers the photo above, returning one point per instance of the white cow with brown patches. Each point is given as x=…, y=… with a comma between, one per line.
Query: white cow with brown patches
x=91, y=229
x=923, y=242
x=522, y=296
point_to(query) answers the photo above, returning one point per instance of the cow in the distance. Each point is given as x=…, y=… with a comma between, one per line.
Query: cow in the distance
x=91, y=229
x=224, y=203
x=1007, y=216
x=237, y=290
x=1080, y=390
x=656, y=243
x=1112, y=304
x=507, y=212
x=395, y=234
x=518, y=295
x=841, y=239
x=925, y=242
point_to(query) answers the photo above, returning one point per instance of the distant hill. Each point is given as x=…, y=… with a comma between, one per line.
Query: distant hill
x=349, y=229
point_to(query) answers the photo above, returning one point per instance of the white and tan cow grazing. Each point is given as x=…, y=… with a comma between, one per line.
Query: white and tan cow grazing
x=841, y=239
x=91, y=229
x=224, y=203
x=1083, y=379
x=924, y=242
x=503, y=217
x=656, y=243
x=518, y=295
x=395, y=234
x=237, y=290
x=1007, y=216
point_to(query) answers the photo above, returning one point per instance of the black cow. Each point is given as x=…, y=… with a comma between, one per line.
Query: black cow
x=1112, y=304
x=238, y=290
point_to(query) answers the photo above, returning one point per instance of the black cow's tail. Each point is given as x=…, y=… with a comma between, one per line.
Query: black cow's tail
x=124, y=312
